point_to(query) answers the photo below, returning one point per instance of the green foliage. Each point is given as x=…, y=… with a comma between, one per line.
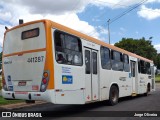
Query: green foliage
x=157, y=61
x=5, y=102
x=140, y=47
x=0, y=60
x=0, y=85
x=157, y=77
x=1, y=56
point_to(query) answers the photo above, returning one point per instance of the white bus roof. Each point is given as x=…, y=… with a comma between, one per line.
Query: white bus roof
x=51, y=24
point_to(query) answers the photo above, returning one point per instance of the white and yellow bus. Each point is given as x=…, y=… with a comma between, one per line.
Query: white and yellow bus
x=43, y=60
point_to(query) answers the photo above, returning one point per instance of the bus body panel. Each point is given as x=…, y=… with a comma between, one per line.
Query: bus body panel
x=24, y=75
x=62, y=70
x=142, y=83
x=68, y=92
x=14, y=38
x=122, y=80
x=105, y=82
x=24, y=59
x=70, y=97
x=69, y=84
x=112, y=77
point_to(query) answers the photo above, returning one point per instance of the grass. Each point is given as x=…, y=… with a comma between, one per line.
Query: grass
x=157, y=78
x=5, y=102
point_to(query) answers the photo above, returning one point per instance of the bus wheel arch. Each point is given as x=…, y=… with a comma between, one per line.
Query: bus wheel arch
x=113, y=94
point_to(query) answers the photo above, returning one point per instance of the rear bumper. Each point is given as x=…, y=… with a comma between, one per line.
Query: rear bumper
x=60, y=97
x=48, y=96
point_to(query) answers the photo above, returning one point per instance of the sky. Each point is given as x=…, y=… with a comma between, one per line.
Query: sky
x=89, y=17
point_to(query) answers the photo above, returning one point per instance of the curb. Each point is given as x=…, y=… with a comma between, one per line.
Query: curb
x=19, y=105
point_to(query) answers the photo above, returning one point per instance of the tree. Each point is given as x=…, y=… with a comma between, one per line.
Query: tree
x=0, y=60
x=1, y=56
x=157, y=61
x=140, y=47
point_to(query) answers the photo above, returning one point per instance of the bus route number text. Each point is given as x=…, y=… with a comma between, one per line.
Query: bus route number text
x=35, y=59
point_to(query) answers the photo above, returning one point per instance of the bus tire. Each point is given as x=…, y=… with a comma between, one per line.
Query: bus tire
x=148, y=90
x=30, y=101
x=113, y=95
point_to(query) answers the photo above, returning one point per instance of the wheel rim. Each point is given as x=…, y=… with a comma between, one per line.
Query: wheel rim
x=114, y=96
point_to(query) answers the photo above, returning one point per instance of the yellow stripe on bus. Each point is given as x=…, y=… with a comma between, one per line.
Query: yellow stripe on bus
x=23, y=52
x=49, y=65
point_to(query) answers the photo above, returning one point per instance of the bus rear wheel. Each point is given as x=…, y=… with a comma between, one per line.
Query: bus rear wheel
x=113, y=95
x=148, y=90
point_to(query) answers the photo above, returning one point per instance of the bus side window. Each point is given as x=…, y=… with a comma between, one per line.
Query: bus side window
x=117, y=61
x=139, y=66
x=94, y=60
x=77, y=59
x=68, y=49
x=105, y=58
x=148, y=67
x=59, y=41
x=143, y=67
x=87, y=62
x=126, y=63
x=60, y=58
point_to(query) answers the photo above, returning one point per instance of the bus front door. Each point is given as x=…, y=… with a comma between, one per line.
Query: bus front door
x=91, y=75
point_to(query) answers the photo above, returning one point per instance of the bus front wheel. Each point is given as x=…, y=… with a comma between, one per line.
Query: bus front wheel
x=113, y=95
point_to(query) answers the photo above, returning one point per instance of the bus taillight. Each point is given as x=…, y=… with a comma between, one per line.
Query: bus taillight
x=45, y=80
x=45, y=74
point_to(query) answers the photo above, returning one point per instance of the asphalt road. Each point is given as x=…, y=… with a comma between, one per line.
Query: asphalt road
x=139, y=105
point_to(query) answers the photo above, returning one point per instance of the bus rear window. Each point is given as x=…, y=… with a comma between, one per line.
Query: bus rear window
x=30, y=33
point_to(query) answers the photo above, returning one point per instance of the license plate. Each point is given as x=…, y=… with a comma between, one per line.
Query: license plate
x=22, y=83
